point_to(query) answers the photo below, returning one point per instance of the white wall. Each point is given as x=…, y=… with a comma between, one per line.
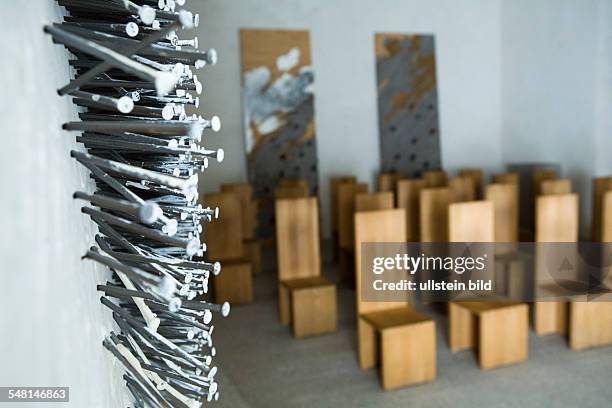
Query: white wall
x=468, y=39
x=51, y=321
x=555, y=67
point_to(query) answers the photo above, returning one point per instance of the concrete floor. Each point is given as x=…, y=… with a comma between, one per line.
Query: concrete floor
x=262, y=365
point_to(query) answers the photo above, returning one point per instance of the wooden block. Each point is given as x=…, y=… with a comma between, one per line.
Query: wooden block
x=367, y=344
x=497, y=329
x=591, y=324
x=550, y=318
x=234, y=284
x=289, y=192
x=387, y=181
x=462, y=224
x=227, y=229
x=557, y=218
x=463, y=327
x=408, y=355
x=505, y=207
x=476, y=176
x=462, y=188
x=252, y=253
x=558, y=186
x=346, y=209
x=600, y=187
x=540, y=175
x=556, y=221
x=433, y=212
x=374, y=201
x=434, y=178
x=314, y=310
x=503, y=335
x=606, y=234
x=408, y=196
x=244, y=192
x=284, y=304
x=377, y=226
x=297, y=238
x=294, y=183
x=334, y=182
x=506, y=178
x=606, y=218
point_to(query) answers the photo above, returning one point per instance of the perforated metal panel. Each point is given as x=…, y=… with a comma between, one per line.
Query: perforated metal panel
x=407, y=104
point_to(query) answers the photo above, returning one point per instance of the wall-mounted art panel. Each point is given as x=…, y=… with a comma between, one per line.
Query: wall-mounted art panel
x=407, y=103
x=278, y=106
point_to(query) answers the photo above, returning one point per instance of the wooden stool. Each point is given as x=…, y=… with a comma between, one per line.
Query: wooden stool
x=234, y=284
x=306, y=299
x=586, y=323
x=557, y=186
x=556, y=221
x=600, y=187
x=290, y=191
x=346, y=229
x=476, y=176
x=433, y=211
x=406, y=343
x=462, y=188
x=387, y=182
x=310, y=303
x=408, y=196
x=497, y=330
x=248, y=206
x=334, y=182
x=506, y=178
x=374, y=201
x=404, y=339
x=538, y=176
x=505, y=206
x=435, y=178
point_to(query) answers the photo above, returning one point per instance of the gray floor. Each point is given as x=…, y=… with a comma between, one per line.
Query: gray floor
x=262, y=365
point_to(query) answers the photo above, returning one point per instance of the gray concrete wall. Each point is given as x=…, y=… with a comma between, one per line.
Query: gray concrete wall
x=51, y=321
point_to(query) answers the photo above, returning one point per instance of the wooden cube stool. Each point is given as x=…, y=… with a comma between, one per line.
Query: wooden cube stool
x=347, y=193
x=497, y=330
x=310, y=304
x=306, y=299
x=402, y=340
x=334, y=182
x=406, y=343
x=234, y=283
x=587, y=324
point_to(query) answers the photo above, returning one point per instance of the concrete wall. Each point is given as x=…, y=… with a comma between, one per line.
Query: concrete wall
x=603, y=114
x=468, y=39
x=52, y=323
x=556, y=62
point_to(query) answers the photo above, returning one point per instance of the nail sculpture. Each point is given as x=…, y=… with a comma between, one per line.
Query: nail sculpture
x=134, y=79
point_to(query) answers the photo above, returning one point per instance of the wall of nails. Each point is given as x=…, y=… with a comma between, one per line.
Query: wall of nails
x=133, y=77
x=53, y=322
